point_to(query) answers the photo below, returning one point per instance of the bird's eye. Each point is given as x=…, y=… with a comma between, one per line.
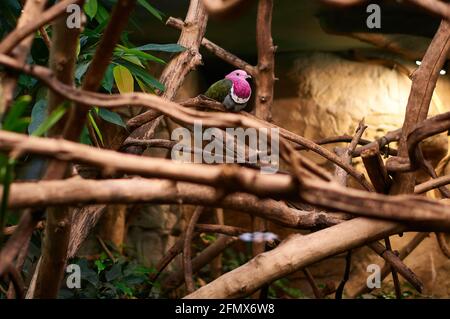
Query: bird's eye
x=237, y=74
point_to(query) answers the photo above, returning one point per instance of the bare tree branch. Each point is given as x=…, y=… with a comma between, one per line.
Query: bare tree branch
x=16, y=36
x=187, y=264
x=31, y=10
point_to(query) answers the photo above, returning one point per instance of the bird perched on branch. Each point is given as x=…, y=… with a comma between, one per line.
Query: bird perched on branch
x=233, y=91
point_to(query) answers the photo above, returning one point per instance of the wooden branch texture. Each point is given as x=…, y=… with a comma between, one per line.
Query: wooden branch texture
x=340, y=218
x=63, y=55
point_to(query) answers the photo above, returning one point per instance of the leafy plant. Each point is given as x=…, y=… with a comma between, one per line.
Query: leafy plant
x=50, y=121
x=15, y=120
x=128, y=72
x=105, y=278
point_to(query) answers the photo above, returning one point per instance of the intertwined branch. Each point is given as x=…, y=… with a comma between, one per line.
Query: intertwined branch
x=384, y=206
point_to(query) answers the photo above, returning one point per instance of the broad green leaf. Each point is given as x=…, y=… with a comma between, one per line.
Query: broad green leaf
x=108, y=79
x=7, y=174
x=102, y=15
x=133, y=59
x=95, y=127
x=20, y=126
x=81, y=70
x=78, y=48
x=156, y=13
x=124, y=79
x=111, y=117
x=16, y=111
x=143, y=74
x=144, y=56
x=133, y=280
x=100, y=266
x=171, y=47
x=122, y=287
x=83, y=40
x=144, y=87
x=38, y=115
x=51, y=120
x=122, y=51
x=114, y=273
x=91, y=8
x=85, y=138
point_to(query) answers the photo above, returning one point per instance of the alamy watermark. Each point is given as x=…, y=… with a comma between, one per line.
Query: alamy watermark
x=75, y=17
x=373, y=280
x=74, y=278
x=373, y=21
x=228, y=146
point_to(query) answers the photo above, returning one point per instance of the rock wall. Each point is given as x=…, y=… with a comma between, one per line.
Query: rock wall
x=332, y=95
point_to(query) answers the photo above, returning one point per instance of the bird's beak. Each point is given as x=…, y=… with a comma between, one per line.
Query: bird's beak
x=248, y=76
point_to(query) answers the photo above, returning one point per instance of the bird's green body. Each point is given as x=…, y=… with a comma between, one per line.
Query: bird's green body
x=219, y=90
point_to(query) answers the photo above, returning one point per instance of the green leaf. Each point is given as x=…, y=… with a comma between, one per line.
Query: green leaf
x=100, y=266
x=108, y=79
x=111, y=117
x=50, y=121
x=144, y=75
x=95, y=127
x=126, y=290
x=7, y=178
x=156, y=13
x=124, y=79
x=102, y=15
x=171, y=47
x=81, y=70
x=12, y=119
x=133, y=280
x=122, y=52
x=91, y=8
x=78, y=48
x=38, y=115
x=85, y=138
x=114, y=273
x=144, y=56
x=133, y=59
x=144, y=87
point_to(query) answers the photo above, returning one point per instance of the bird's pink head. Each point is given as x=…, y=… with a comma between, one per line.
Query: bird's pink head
x=240, y=85
x=238, y=74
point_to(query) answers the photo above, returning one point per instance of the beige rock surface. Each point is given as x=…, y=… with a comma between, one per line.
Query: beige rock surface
x=332, y=95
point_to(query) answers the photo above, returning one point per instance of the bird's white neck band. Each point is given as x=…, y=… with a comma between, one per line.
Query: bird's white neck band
x=237, y=99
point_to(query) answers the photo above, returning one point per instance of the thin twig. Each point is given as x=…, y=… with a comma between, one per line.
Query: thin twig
x=187, y=264
x=345, y=278
x=309, y=277
x=398, y=290
x=106, y=249
x=386, y=269
x=45, y=37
